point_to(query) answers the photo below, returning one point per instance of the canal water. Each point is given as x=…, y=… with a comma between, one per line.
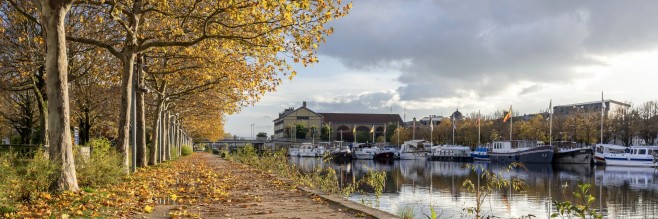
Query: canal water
x=620, y=192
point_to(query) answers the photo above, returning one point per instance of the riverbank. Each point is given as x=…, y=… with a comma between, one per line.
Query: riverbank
x=253, y=193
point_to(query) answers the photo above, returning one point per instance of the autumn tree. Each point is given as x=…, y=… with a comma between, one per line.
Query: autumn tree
x=259, y=30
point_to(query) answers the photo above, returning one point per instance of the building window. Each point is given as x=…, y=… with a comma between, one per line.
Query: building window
x=302, y=117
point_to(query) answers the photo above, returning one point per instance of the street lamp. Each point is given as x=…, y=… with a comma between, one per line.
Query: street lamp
x=252, y=131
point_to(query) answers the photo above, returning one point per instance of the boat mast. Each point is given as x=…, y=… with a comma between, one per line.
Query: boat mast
x=550, y=122
x=478, y=129
x=602, y=114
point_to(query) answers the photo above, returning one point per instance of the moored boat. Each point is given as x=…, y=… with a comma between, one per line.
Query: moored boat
x=639, y=156
x=341, y=153
x=414, y=150
x=362, y=151
x=293, y=151
x=521, y=151
x=455, y=153
x=481, y=153
x=568, y=152
x=307, y=150
x=601, y=150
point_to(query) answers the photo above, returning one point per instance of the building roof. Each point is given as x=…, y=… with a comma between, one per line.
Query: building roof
x=290, y=110
x=594, y=102
x=360, y=118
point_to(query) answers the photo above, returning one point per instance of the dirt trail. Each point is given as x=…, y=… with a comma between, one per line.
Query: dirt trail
x=256, y=194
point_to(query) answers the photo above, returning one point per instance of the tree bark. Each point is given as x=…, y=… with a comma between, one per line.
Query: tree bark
x=123, y=141
x=141, y=120
x=38, y=85
x=168, y=141
x=53, y=13
x=153, y=153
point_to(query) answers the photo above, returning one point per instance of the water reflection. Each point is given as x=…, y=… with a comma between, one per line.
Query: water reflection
x=621, y=192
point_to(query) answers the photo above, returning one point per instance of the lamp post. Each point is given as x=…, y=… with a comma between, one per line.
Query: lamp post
x=252, y=131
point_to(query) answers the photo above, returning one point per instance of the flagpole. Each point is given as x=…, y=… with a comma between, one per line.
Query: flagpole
x=510, y=122
x=602, y=114
x=453, y=129
x=478, y=129
x=550, y=123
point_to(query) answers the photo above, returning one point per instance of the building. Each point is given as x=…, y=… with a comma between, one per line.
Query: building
x=284, y=126
x=339, y=123
x=594, y=106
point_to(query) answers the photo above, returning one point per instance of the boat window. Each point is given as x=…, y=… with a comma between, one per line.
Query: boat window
x=643, y=151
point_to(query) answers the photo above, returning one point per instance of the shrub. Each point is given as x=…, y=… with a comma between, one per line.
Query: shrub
x=103, y=167
x=31, y=177
x=186, y=150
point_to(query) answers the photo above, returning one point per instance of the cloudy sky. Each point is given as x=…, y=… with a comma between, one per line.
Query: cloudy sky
x=432, y=57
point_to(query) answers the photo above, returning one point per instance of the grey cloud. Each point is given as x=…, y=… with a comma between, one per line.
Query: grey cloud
x=454, y=47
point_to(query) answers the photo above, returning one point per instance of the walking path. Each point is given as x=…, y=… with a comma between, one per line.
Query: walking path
x=257, y=194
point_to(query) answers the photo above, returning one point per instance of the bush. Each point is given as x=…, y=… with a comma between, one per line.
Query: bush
x=103, y=167
x=24, y=179
x=186, y=150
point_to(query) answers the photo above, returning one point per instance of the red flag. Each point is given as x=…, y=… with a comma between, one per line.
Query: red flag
x=508, y=115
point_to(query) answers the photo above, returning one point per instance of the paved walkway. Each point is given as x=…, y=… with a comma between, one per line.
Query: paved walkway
x=257, y=194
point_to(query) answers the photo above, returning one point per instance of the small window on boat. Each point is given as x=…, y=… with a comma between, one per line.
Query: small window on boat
x=643, y=151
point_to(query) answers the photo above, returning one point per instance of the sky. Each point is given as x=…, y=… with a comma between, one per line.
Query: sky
x=420, y=57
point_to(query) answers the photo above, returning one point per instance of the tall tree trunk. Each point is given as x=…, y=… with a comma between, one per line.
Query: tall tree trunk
x=141, y=121
x=153, y=152
x=123, y=141
x=168, y=141
x=38, y=85
x=53, y=13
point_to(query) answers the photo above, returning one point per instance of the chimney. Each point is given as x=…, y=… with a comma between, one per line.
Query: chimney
x=304, y=104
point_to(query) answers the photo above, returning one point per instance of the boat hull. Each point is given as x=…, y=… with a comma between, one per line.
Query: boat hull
x=413, y=156
x=341, y=156
x=583, y=155
x=542, y=154
x=631, y=162
x=363, y=156
x=452, y=158
x=482, y=157
x=384, y=156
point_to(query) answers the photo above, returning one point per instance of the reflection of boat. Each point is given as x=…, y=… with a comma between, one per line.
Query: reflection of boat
x=451, y=153
x=412, y=169
x=568, y=152
x=640, y=156
x=413, y=150
x=639, y=178
x=447, y=169
x=521, y=151
x=293, y=151
x=602, y=150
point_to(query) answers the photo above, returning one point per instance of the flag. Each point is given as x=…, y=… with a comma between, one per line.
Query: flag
x=477, y=122
x=550, y=107
x=354, y=129
x=508, y=115
x=431, y=125
x=602, y=105
x=372, y=130
x=385, y=129
x=454, y=123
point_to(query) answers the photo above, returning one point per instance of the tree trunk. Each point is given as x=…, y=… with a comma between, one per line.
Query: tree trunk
x=141, y=124
x=168, y=141
x=153, y=153
x=38, y=85
x=53, y=13
x=123, y=141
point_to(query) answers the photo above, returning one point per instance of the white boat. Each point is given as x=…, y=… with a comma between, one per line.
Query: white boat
x=362, y=151
x=601, y=150
x=568, y=152
x=307, y=150
x=481, y=153
x=414, y=150
x=521, y=151
x=456, y=153
x=293, y=151
x=639, y=156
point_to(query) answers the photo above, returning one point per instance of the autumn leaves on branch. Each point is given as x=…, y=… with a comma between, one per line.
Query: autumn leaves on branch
x=200, y=59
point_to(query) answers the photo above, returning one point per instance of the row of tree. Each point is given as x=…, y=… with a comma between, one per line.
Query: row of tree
x=68, y=62
x=621, y=126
